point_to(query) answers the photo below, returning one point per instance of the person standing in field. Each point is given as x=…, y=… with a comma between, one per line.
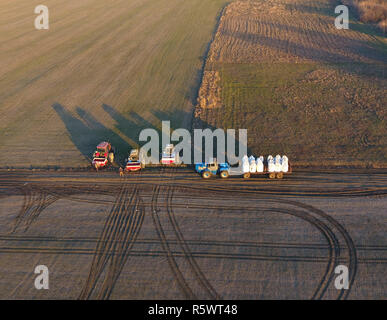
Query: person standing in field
x=121, y=172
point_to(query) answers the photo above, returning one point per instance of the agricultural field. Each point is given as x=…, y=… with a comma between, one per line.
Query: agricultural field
x=281, y=69
x=167, y=234
x=103, y=71
x=371, y=11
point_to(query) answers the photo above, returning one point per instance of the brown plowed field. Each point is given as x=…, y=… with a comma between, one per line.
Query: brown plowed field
x=168, y=234
x=288, y=31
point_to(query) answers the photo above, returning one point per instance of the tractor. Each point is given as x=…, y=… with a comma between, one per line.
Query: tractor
x=213, y=168
x=103, y=155
x=169, y=156
x=134, y=162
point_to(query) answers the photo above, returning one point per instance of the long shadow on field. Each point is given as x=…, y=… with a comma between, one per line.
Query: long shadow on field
x=130, y=128
x=328, y=10
x=86, y=132
x=322, y=8
x=358, y=48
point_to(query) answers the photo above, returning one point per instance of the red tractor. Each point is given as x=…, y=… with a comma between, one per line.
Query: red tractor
x=103, y=155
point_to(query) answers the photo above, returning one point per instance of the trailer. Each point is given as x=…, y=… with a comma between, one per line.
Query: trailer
x=273, y=168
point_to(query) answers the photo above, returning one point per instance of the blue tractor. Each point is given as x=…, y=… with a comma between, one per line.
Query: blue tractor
x=207, y=170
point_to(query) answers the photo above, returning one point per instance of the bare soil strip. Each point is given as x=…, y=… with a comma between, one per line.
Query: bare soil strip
x=304, y=232
x=186, y=289
x=120, y=233
x=33, y=205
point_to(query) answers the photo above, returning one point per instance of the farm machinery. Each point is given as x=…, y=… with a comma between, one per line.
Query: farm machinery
x=213, y=168
x=274, y=168
x=103, y=155
x=135, y=161
x=169, y=155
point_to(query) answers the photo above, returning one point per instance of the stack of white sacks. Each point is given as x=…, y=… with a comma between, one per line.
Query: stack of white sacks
x=277, y=164
x=251, y=164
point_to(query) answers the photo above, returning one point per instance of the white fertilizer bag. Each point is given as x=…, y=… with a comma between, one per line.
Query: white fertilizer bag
x=285, y=164
x=278, y=163
x=270, y=163
x=245, y=164
x=253, y=165
x=260, y=164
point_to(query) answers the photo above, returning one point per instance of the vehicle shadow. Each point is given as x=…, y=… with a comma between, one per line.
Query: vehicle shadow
x=132, y=127
x=85, y=131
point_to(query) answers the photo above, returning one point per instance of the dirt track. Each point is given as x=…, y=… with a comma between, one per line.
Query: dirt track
x=168, y=234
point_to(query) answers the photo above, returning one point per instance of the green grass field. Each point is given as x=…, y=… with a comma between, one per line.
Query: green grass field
x=289, y=111
x=104, y=70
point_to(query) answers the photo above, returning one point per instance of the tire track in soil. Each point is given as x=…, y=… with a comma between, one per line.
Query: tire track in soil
x=198, y=273
x=118, y=248
x=102, y=255
x=182, y=283
x=349, y=242
x=33, y=205
x=217, y=243
x=198, y=254
x=329, y=235
x=127, y=239
x=330, y=268
x=351, y=247
x=352, y=267
x=70, y=189
x=333, y=246
x=289, y=192
x=61, y=193
x=119, y=235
